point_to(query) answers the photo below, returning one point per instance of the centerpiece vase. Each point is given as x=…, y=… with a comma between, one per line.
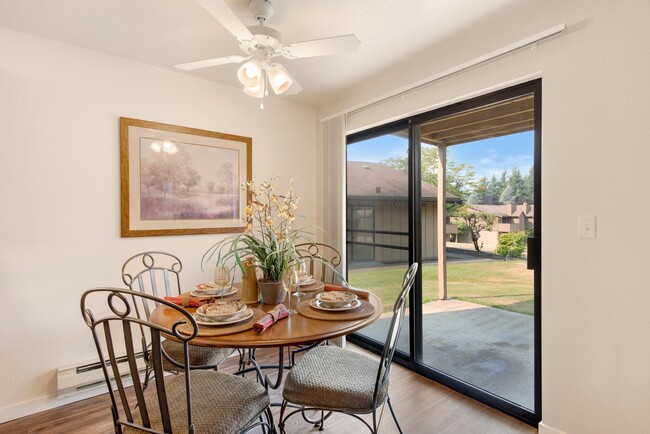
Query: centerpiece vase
x=272, y=291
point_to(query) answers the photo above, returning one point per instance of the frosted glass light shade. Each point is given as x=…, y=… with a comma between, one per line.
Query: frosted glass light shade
x=250, y=73
x=279, y=78
x=255, y=91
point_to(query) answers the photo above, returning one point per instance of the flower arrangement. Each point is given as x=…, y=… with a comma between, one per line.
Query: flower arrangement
x=268, y=238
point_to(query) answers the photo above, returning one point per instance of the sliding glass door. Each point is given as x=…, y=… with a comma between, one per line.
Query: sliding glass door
x=377, y=224
x=457, y=190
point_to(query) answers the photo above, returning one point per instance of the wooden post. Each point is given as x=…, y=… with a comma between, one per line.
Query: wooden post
x=442, y=222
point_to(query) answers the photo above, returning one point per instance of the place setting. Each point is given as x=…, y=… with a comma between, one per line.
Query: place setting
x=220, y=287
x=212, y=290
x=223, y=317
x=307, y=282
x=337, y=303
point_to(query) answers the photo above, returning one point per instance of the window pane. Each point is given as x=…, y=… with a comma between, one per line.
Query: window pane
x=377, y=221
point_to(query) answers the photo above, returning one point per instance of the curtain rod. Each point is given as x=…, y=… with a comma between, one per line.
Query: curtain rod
x=533, y=39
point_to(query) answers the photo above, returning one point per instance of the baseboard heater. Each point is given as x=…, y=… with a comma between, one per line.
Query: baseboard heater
x=82, y=377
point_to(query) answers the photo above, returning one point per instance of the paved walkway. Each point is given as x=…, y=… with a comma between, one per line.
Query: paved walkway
x=490, y=348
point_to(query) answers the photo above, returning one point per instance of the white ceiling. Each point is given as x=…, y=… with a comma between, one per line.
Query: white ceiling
x=166, y=32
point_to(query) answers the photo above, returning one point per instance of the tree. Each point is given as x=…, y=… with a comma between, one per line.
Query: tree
x=508, y=195
x=480, y=193
x=475, y=221
x=516, y=181
x=529, y=186
x=165, y=172
x=190, y=178
x=492, y=194
x=226, y=176
x=210, y=186
x=460, y=177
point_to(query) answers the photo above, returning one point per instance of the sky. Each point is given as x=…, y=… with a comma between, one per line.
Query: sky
x=489, y=157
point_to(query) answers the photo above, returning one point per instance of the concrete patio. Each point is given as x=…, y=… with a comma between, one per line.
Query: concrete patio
x=490, y=348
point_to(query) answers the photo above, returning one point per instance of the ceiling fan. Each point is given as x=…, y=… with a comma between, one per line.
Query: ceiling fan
x=260, y=44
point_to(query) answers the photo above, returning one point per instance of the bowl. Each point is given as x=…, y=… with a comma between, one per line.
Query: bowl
x=221, y=310
x=336, y=298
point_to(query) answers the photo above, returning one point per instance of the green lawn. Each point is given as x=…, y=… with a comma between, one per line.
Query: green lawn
x=502, y=284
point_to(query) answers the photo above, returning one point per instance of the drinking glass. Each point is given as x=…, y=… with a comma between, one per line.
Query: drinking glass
x=302, y=274
x=290, y=284
x=302, y=264
x=222, y=278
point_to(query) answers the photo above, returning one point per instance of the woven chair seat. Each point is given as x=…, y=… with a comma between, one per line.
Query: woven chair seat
x=199, y=356
x=221, y=403
x=334, y=379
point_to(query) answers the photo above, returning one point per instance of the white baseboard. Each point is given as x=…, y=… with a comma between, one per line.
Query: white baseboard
x=545, y=429
x=27, y=408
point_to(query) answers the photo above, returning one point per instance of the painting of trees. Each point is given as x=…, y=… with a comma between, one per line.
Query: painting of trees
x=182, y=184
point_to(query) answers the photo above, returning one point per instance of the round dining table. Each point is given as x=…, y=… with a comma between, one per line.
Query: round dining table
x=294, y=330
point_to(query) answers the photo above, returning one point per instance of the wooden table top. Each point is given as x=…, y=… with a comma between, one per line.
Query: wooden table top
x=294, y=330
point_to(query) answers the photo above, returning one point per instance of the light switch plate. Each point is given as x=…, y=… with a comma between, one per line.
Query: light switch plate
x=586, y=226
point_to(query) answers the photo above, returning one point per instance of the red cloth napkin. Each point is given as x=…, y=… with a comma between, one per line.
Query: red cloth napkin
x=361, y=293
x=276, y=314
x=189, y=301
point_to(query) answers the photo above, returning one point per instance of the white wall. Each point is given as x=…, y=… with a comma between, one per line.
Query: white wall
x=595, y=154
x=60, y=198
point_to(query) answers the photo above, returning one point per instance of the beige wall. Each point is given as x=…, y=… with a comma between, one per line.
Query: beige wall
x=595, y=153
x=59, y=225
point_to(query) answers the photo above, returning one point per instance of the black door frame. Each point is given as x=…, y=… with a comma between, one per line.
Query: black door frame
x=410, y=361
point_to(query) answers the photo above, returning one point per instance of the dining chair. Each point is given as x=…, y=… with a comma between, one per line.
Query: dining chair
x=158, y=274
x=194, y=401
x=323, y=262
x=332, y=379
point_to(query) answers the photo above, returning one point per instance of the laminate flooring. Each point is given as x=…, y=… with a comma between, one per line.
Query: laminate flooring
x=422, y=407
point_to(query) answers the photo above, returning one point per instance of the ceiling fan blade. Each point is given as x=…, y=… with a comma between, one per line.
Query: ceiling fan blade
x=210, y=62
x=227, y=18
x=321, y=47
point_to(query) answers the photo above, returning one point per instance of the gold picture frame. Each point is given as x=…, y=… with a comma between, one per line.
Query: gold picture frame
x=181, y=181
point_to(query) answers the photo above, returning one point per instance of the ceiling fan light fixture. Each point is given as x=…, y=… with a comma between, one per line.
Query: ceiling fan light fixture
x=279, y=78
x=250, y=73
x=257, y=91
x=261, y=43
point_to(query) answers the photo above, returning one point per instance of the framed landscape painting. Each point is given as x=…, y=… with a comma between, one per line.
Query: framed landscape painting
x=180, y=181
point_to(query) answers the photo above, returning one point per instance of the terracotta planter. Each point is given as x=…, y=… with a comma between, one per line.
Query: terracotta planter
x=272, y=291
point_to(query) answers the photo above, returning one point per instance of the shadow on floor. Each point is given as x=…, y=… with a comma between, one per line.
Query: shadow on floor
x=490, y=348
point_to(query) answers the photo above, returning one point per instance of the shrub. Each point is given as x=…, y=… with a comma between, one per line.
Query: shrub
x=513, y=242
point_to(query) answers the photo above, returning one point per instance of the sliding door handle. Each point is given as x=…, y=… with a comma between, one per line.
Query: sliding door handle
x=534, y=253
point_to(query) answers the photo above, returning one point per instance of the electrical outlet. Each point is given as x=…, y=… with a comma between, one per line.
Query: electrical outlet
x=586, y=226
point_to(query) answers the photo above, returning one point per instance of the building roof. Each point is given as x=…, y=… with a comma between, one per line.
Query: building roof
x=377, y=180
x=507, y=210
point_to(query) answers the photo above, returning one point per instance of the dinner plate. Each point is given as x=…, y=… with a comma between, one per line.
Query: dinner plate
x=316, y=304
x=200, y=319
x=201, y=294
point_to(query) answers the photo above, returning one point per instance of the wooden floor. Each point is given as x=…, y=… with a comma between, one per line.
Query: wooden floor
x=422, y=407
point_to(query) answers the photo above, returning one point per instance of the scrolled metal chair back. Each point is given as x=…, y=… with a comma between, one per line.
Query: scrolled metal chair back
x=383, y=374
x=323, y=262
x=121, y=327
x=154, y=273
